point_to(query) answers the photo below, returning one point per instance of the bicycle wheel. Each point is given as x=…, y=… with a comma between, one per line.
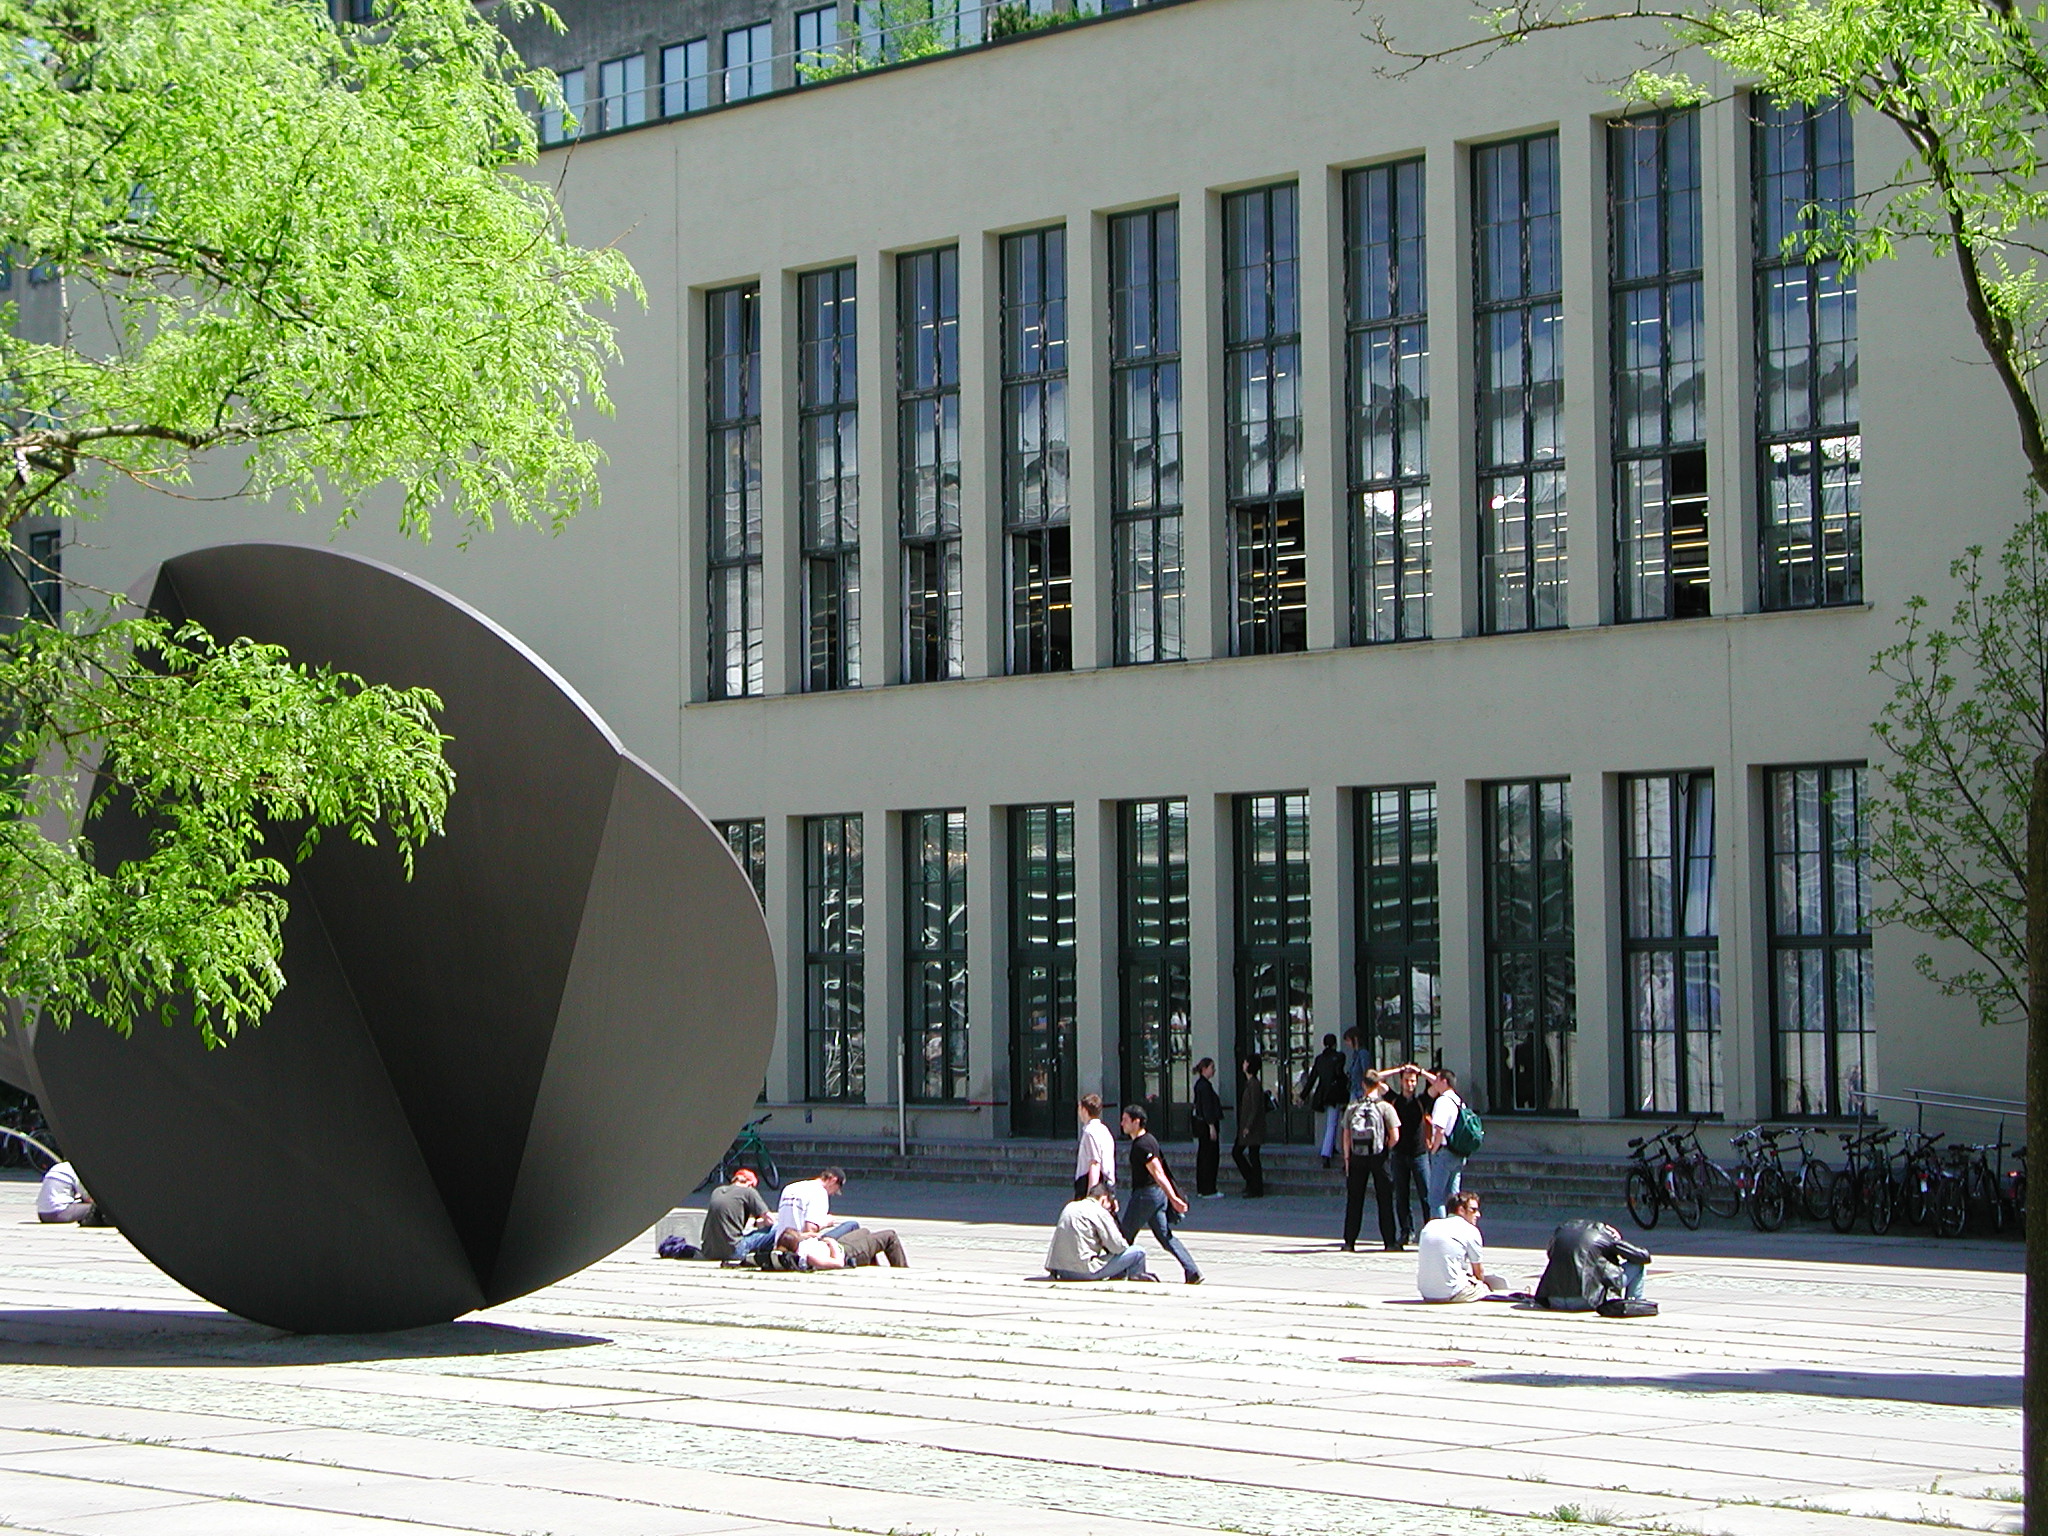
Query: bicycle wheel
x=1642, y=1198
x=1718, y=1190
x=1683, y=1196
x=1767, y=1205
x=1883, y=1203
x=1816, y=1189
x=1951, y=1207
x=1915, y=1200
x=764, y=1163
x=1842, y=1202
x=1984, y=1199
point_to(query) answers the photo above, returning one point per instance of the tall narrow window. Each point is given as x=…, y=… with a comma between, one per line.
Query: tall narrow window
x=44, y=576
x=1532, y=996
x=1820, y=941
x=1262, y=363
x=935, y=955
x=928, y=451
x=1660, y=372
x=748, y=841
x=1387, y=308
x=828, y=420
x=835, y=1011
x=817, y=38
x=1519, y=323
x=1155, y=961
x=1042, y=986
x=1671, y=957
x=734, y=440
x=1275, y=993
x=622, y=92
x=560, y=124
x=1811, y=452
x=1039, y=550
x=1400, y=992
x=685, y=77
x=749, y=61
x=1145, y=488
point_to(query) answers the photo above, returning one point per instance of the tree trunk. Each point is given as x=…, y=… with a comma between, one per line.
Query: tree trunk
x=2034, y=1395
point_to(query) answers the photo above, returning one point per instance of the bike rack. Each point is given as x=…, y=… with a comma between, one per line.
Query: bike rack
x=1923, y=1100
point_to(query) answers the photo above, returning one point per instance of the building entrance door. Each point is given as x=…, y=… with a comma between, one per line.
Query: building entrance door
x=1042, y=1070
x=1042, y=1103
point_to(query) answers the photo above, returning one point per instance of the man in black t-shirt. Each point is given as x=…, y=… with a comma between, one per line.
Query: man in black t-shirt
x=1154, y=1201
x=736, y=1218
x=1411, y=1108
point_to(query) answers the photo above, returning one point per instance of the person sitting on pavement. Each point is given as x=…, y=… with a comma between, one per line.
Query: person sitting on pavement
x=1087, y=1244
x=1095, y=1157
x=737, y=1220
x=63, y=1198
x=1450, y=1257
x=881, y=1248
x=806, y=1205
x=1589, y=1263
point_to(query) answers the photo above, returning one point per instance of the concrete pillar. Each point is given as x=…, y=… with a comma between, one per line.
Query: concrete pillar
x=1332, y=920
x=1461, y=885
x=1596, y=936
x=882, y=914
x=988, y=943
x=1322, y=416
x=1212, y=993
x=1088, y=440
x=1732, y=527
x=982, y=604
x=881, y=564
x=1204, y=511
x=1095, y=950
x=782, y=647
x=785, y=913
x=1582, y=180
x=1454, y=604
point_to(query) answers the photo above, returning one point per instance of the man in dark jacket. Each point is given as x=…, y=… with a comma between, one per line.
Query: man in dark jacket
x=1589, y=1262
x=1247, y=1151
x=1208, y=1128
x=1329, y=1090
x=1405, y=1166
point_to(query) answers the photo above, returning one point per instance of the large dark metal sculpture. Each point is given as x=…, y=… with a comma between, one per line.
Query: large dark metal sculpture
x=476, y=1082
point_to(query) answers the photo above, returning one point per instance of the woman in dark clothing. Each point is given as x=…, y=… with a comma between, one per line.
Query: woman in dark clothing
x=1208, y=1127
x=1247, y=1151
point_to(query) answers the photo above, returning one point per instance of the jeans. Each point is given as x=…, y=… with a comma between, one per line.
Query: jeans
x=1444, y=1170
x=1251, y=1162
x=1147, y=1207
x=1409, y=1187
x=1369, y=1168
x=1128, y=1265
x=1208, y=1152
x=754, y=1242
x=1331, y=1117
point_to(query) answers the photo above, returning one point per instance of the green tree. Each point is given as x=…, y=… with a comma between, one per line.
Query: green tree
x=302, y=251
x=1962, y=826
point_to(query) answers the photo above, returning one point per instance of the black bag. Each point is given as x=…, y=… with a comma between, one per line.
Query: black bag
x=1622, y=1306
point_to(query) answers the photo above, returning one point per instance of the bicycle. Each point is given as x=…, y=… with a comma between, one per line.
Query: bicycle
x=1864, y=1187
x=1657, y=1180
x=1719, y=1191
x=2016, y=1189
x=1814, y=1184
x=1919, y=1172
x=1762, y=1178
x=748, y=1150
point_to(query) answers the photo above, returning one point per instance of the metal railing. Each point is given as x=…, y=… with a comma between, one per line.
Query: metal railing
x=1924, y=1099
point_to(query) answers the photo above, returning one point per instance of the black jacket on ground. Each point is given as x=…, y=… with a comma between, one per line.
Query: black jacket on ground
x=1585, y=1261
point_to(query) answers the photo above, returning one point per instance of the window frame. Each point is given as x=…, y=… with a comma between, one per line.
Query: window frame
x=932, y=620
x=1289, y=954
x=1545, y=947
x=1043, y=902
x=757, y=69
x=1155, y=962
x=1147, y=524
x=747, y=838
x=947, y=957
x=828, y=421
x=684, y=88
x=722, y=563
x=1416, y=942
x=1694, y=1045
x=1037, y=539
x=829, y=963
x=631, y=98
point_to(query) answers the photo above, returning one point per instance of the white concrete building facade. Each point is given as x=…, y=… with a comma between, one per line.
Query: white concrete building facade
x=1162, y=541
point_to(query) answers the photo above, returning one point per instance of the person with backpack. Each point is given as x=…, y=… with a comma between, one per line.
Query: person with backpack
x=1371, y=1131
x=1452, y=1133
x=1328, y=1091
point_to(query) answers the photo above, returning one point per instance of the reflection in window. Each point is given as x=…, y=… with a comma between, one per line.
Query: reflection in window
x=1145, y=477
x=1039, y=549
x=1155, y=962
x=835, y=1031
x=748, y=841
x=828, y=432
x=935, y=955
x=1042, y=985
x=928, y=456
x=749, y=62
x=733, y=387
x=817, y=38
x=685, y=77
x=622, y=92
x=1660, y=373
x=1532, y=1000
x=1400, y=993
x=1275, y=986
x=1821, y=970
x=558, y=124
x=1519, y=322
x=1262, y=449
x=1671, y=958
x=1811, y=449
x=1388, y=374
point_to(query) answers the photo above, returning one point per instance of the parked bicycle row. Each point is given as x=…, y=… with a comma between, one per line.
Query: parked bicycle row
x=1885, y=1176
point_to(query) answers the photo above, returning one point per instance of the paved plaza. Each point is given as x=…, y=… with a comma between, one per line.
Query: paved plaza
x=1794, y=1384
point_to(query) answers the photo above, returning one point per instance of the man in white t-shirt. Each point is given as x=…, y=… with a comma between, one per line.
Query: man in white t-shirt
x=1450, y=1256
x=1443, y=1170
x=1095, y=1157
x=806, y=1206
x=62, y=1198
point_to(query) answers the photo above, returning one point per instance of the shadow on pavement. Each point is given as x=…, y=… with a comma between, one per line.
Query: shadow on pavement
x=1955, y=1391
x=113, y=1336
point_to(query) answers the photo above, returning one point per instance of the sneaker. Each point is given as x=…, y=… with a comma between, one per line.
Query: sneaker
x=1192, y=1280
x=1349, y=1247
x=1214, y=1194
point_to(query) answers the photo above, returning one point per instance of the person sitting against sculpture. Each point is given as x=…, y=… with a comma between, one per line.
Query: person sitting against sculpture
x=1590, y=1262
x=881, y=1247
x=1087, y=1244
x=806, y=1206
x=63, y=1198
x=737, y=1221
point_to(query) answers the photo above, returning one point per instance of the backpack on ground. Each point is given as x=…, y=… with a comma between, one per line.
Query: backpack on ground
x=1468, y=1134
x=1624, y=1306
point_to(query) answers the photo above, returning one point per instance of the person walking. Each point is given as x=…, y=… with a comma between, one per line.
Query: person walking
x=1208, y=1111
x=1095, y=1156
x=1154, y=1201
x=1371, y=1132
x=1329, y=1090
x=1406, y=1164
x=1247, y=1151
